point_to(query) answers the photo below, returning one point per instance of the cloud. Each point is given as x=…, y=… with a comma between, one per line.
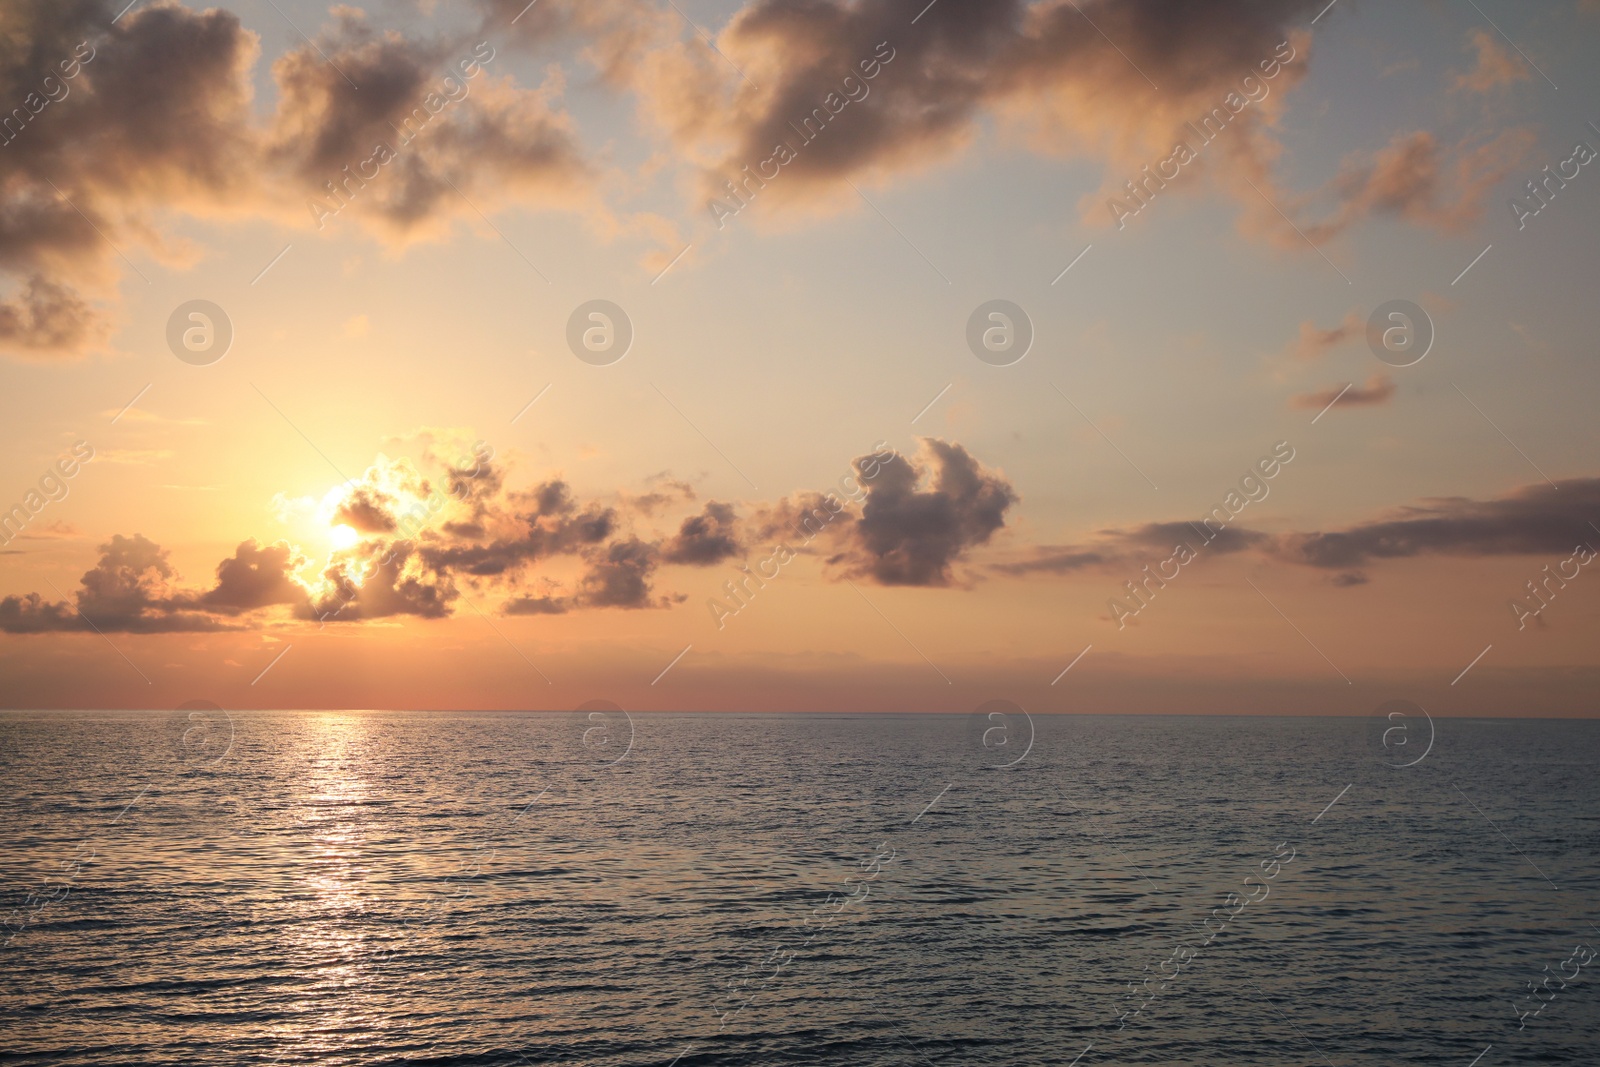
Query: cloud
x=1115, y=549
x=133, y=574
x=1417, y=179
x=1224, y=541
x=161, y=122
x=616, y=568
x=380, y=579
x=257, y=576
x=364, y=512
x=1380, y=389
x=670, y=492
x=452, y=130
x=780, y=107
x=617, y=33
x=1495, y=67
x=792, y=116
x=1314, y=342
x=32, y=614
x=377, y=502
x=157, y=119
x=424, y=542
x=147, y=115
x=1040, y=68
x=538, y=605
x=546, y=521
x=129, y=590
x=919, y=517
x=1534, y=520
x=705, y=538
x=45, y=319
x=54, y=530
x=619, y=576
x=1056, y=559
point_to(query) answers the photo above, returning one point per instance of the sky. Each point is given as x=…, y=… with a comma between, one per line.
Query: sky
x=1103, y=356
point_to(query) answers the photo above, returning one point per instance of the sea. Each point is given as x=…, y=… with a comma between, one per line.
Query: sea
x=650, y=890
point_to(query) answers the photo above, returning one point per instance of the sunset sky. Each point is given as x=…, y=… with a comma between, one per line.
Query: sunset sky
x=408, y=341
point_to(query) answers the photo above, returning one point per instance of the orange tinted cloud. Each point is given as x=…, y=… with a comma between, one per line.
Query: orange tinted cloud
x=1495, y=67
x=1416, y=179
x=1314, y=341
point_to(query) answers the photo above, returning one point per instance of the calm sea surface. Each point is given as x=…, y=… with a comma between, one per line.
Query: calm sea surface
x=434, y=888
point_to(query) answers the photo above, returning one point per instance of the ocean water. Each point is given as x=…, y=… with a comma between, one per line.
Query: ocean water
x=595, y=888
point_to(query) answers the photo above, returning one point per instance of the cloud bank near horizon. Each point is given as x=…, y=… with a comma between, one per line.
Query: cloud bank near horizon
x=416, y=545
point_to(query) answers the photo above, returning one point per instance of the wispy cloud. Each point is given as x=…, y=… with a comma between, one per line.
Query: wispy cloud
x=1380, y=389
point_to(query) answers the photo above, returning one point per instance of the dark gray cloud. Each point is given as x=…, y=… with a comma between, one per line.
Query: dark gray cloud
x=447, y=120
x=46, y=318
x=130, y=590
x=538, y=605
x=549, y=522
x=1224, y=541
x=367, y=510
x=705, y=538
x=115, y=123
x=919, y=517
x=800, y=519
x=619, y=576
x=1044, y=66
x=835, y=91
x=1055, y=559
x=1533, y=521
x=885, y=96
x=256, y=576
x=1115, y=549
x=32, y=614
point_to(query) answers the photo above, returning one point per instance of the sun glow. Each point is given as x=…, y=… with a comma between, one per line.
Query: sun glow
x=343, y=535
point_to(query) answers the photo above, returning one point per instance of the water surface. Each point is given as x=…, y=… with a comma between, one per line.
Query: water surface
x=493, y=888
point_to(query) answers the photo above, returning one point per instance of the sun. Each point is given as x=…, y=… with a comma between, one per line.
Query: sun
x=343, y=535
